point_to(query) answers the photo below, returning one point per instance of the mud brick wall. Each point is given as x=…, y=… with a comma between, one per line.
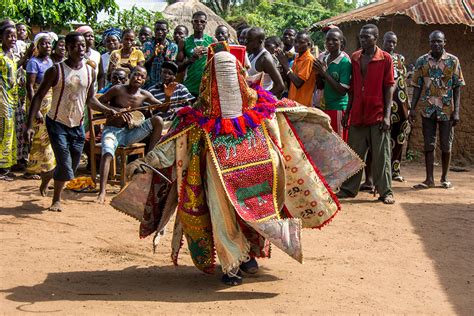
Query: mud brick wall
x=412, y=43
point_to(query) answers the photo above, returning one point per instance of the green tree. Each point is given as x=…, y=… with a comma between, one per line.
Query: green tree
x=55, y=13
x=133, y=19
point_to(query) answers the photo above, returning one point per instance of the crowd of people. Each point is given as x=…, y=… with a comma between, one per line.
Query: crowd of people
x=51, y=82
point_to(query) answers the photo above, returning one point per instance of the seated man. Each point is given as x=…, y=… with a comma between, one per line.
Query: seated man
x=119, y=76
x=120, y=130
x=168, y=90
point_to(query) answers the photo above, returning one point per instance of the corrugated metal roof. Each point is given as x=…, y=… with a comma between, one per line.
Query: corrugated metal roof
x=420, y=11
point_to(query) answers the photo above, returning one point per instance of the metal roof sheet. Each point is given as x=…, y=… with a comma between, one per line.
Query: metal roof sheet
x=420, y=11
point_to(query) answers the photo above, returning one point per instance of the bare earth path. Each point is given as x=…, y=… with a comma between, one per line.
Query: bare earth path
x=414, y=257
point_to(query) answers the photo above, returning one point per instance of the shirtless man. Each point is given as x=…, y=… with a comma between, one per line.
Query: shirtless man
x=117, y=131
x=262, y=63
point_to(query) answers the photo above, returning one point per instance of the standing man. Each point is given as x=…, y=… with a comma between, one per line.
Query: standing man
x=72, y=83
x=302, y=75
x=335, y=71
x=92, y=56
x=262, y=67
x=369, y=109
x=400, y=106
x=288, y=39
x=222, y=33
x=180, y=33
x=192, y=53
x=157, y=51
x=437, y=80
x=145, y=35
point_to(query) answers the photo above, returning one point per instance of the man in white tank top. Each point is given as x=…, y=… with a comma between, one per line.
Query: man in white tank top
x=261, y=63
x=72, y=83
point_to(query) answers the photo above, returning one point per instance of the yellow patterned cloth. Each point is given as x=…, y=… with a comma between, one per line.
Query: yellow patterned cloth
x=8, y=104
x=41, y=152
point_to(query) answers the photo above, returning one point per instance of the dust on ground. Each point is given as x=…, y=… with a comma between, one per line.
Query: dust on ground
x=413, y=257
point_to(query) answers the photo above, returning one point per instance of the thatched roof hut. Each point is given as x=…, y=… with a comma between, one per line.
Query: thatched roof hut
x=181, y=13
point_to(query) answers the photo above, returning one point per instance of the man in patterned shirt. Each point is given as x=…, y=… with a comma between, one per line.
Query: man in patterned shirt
x=157, y=51
x=437, y=80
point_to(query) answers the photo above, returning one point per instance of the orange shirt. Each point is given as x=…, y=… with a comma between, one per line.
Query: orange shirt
x=303, y=68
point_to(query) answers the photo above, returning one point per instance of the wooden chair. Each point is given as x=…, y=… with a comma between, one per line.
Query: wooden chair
x=122, y=152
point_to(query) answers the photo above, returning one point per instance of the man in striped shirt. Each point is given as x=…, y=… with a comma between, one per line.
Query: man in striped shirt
x=168, y=90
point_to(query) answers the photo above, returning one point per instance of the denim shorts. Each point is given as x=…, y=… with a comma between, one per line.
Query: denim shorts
x=113, y=137
x=67, y=143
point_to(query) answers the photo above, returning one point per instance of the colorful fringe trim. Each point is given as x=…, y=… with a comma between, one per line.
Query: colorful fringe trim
x=264, y=109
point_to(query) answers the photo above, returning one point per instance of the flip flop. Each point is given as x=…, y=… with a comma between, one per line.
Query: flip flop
x=398, y=178
x=31, y=176
x=422, y=186
x=447, y=185
x=7, y=178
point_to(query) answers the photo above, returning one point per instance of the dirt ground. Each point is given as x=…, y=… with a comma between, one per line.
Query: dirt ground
x=416, y=256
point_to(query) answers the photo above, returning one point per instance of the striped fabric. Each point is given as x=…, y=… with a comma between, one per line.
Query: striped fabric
x=181, y=93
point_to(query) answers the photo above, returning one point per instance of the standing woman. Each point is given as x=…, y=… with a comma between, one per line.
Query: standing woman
x=8, y=101
x=111, y=38
x=41, y=153
x=128, y=57
x=59, y=50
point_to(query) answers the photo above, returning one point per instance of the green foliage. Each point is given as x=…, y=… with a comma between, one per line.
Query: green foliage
x=133, y=19
x=275, y=16
x=56, y=14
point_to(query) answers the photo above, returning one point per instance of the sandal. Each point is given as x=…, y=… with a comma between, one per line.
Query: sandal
x=447, y=185
x=398, y=178
x=250, y=267
x=232, y=279
x=6, y=177
x=388, y=199
x=422, y=186
x=31, y=176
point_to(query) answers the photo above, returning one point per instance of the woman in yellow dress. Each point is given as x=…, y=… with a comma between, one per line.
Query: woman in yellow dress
x=8, y=101
x=41, y=153
x=128, y=56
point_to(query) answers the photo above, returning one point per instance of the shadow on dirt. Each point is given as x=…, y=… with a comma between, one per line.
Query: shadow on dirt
x=449, y=246
x=160, y=284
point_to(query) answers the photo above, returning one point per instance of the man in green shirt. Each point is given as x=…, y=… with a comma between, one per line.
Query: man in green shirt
x=192, y=53
x=334, y=73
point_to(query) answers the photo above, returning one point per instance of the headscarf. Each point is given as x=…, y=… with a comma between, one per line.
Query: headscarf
x=113, y=31
x=51, y=35
x=84, y=29
x=55, y=42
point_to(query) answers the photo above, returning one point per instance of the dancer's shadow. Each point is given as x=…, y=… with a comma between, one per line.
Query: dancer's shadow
x=165, y=284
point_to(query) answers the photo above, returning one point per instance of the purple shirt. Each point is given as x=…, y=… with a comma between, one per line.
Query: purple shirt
x=38, y=67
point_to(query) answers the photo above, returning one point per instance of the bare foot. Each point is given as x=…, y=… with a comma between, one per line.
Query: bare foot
x=45, y=179
x=56, y=207
x=101, y=198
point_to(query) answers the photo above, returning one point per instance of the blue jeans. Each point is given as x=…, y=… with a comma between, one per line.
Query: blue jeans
x=113, y=137
x=67, y=143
